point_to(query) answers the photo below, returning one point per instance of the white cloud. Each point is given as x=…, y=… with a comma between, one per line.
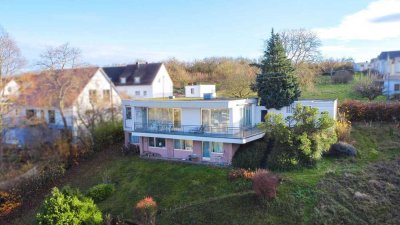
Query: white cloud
x=379, y=21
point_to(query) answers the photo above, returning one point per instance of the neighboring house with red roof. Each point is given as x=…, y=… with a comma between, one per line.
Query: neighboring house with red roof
x=141, y=80
x=40, y=97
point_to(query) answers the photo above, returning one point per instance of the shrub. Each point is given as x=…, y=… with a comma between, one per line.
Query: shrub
x=252, y=155
x=146, y=210
x=8, y=203
x=343, y=128
x=100, y=192
x=240, y=173
x=342, y=77
x=265, y=184
x=108, y=133
x=64, y=208
x=371, y=111
x=342, y=148
x=301, y=144
x=368, y=87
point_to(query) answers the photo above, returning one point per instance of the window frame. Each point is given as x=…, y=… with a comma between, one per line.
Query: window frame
x=128, y=116
x=51, y=114
x=153, y=142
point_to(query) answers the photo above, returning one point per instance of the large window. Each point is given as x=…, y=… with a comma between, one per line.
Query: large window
x=128, y=113
x=246, y=116
x=215, y=147
x=215, y=118
x=52, y=116
x=157, y=142
x=397, y=87
x=183, y=144
x=165, y=116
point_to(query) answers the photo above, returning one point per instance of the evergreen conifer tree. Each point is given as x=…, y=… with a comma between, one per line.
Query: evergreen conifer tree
x=276, y=85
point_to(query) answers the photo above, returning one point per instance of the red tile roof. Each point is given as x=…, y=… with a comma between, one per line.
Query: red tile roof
x=47, y=88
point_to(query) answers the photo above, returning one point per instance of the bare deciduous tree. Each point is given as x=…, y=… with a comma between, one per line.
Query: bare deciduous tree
x=56, y=60
x=301, y=45
x=11, y=59
x=60, y=57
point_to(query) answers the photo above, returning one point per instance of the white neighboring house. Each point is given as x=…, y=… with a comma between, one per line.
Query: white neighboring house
x=35, y=102
x=362, y=66
x=198, y=91
x=387, y=64
x=141, y=80
x=10, y=87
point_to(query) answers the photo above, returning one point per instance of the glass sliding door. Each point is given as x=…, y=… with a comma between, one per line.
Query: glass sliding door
x=215, y=120
x=177, y=118
x=245, y=120
x=206, y=150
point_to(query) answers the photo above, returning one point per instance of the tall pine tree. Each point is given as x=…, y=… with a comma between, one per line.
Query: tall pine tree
x=276, y=85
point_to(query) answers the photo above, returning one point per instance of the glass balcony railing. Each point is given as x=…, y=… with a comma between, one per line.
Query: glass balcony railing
x=196, y=130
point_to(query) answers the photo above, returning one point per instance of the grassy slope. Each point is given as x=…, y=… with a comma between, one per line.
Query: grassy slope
x=324, y=89
x=190, y=194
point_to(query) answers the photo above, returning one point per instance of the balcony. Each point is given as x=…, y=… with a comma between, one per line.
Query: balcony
x=196, y=130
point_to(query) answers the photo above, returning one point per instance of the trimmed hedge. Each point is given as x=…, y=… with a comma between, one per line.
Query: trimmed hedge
x=252, y=155
x=371, y=111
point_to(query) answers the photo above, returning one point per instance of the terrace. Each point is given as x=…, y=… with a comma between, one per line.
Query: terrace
x=197, y=130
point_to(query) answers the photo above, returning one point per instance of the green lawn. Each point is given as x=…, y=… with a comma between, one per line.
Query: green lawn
x=192, y=194
x=325, y=89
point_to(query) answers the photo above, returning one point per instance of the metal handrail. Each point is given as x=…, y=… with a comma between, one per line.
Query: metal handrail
x=197, y=130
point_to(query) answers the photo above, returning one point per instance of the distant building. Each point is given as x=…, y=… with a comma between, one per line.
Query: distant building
x=141, y=80
x=198, y=91
x=361, y=66
x=387, y=63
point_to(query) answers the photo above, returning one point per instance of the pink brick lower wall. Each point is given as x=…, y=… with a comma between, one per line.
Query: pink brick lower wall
x=169, y=152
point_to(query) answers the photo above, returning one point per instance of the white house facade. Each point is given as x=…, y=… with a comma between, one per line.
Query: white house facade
x=34, y=105
x=206, y=130
x=141, y=80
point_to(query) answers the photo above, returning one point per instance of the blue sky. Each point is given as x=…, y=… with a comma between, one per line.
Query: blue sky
x=110, y=32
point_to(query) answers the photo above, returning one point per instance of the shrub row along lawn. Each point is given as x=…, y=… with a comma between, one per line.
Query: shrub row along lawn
x=193, y=194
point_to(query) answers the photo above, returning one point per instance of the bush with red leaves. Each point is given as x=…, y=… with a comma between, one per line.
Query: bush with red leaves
x=265, y=184
x=371, y=111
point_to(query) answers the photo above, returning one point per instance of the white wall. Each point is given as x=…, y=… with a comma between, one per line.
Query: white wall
x=191, y=116
x=199, y=90
x=130, y=90
x=10, y=88
x=162, y=85
x=388, y=87
x=329, y=106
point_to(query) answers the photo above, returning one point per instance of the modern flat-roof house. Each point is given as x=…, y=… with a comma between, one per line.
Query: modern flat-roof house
x=209, y=130
x=387, y=64
x=141, y=80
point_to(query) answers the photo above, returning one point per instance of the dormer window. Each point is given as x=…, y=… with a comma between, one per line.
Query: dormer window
x=137, y=80
x=123, y=80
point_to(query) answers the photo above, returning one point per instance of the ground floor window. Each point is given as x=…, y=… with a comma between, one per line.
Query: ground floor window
x=157, y=142
x=183, y=144
x=215, y=147
x=134, y=139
